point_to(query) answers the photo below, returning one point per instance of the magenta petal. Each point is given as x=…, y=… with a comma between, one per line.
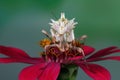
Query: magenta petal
x=13, y=52
x=22, y=60
x=113, y=51
x=88, y=50
x=7, y=60
x=17, y=55
x=33, y=60
x=95, y=71
x=104, y=52
x=76, y=58
x=51, y=72
x=32, y=72
x=117, y=58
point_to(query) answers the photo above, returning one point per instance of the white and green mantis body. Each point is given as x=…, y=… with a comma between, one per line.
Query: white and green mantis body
x=62, y=29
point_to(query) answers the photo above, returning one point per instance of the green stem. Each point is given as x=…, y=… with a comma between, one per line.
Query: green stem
x=68, y=72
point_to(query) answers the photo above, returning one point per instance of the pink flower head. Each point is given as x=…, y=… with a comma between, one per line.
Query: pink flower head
x=59, y=52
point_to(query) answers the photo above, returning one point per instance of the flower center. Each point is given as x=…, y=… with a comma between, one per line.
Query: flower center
x=53, y=52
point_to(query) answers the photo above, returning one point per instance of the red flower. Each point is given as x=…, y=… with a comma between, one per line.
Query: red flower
x=48, y=67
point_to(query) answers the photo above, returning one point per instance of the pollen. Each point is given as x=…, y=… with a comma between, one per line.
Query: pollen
x=45, y=42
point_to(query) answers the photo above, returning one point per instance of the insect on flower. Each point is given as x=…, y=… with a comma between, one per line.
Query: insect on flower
x=62, y=55
x=62, y=37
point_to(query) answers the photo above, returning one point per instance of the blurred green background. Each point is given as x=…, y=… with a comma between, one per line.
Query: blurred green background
x=21, y=22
